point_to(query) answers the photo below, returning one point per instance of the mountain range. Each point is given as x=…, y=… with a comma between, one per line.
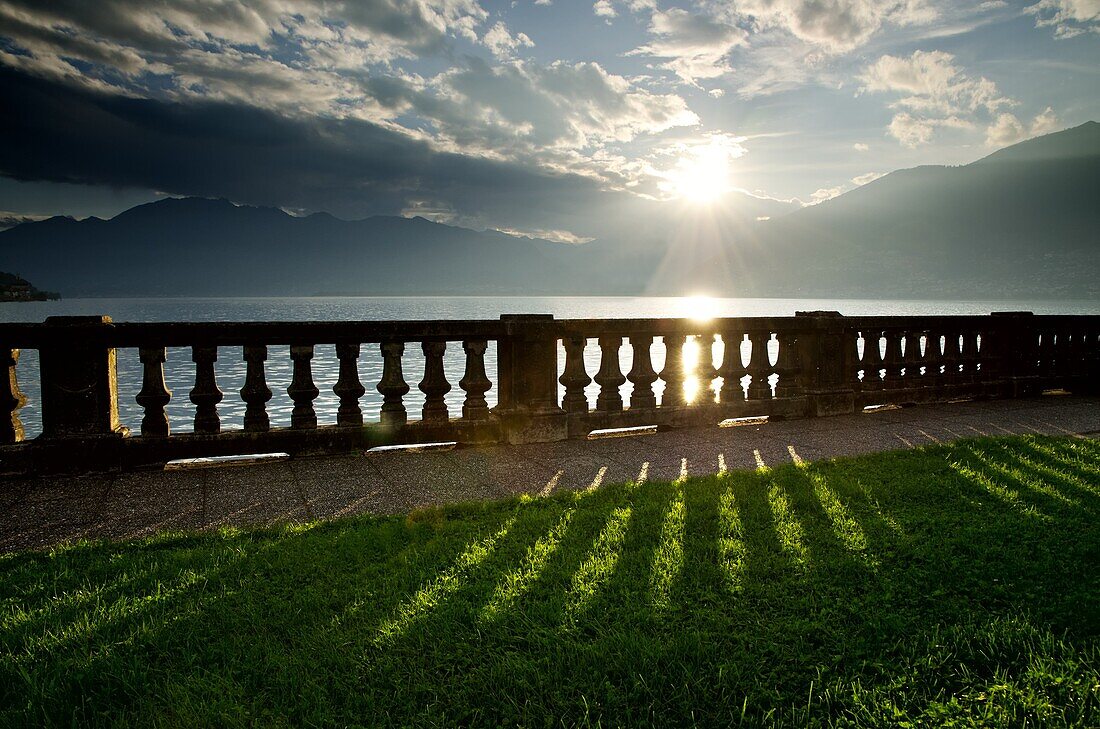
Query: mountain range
x=1022, y=222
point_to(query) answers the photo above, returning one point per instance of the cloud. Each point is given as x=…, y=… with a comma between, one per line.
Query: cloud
x=834, y=25
x=934, y=93
x=1007, y=129
x=268, y=53
x=604, y=9
x=696, y=45
x=349, y=167
x=557, y=236
x=333, y=60
x=503, y=44
x=825, y=193
x=861, y=147
x=867, y=177
x=1069, y=18
x=10, y=220
x=555, y=115
x=913, y=131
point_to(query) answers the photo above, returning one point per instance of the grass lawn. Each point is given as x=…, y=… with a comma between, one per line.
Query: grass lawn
x=953, y=585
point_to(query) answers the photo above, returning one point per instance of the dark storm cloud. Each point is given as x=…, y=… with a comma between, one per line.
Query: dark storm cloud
x=53, y=132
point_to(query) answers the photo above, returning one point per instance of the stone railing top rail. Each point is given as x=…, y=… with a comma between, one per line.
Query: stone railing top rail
x=101, y=331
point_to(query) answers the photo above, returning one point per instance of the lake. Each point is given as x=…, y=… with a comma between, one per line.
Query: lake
x=179, y=370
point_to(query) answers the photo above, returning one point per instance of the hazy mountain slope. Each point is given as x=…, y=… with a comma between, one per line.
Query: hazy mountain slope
x=199, y=247
x=1022, y=221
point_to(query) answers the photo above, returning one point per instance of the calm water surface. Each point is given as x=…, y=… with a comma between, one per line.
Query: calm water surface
x=179, y=370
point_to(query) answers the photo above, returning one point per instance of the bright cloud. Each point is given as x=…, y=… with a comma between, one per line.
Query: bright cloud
x=697, y=46
x=503, y=44
x=1069, y=18
x=1007, y=129
x=825, y=193
x=865, y=178
x=934, y=93
x=835, y=25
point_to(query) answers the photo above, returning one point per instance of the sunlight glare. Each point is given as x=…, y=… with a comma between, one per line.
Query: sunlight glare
x=702, y=172
x=698, y=307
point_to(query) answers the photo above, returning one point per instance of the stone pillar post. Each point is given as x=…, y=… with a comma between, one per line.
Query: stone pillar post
x=79, y=388
x=1016, y=348
x=824, y=353
x=527, y=367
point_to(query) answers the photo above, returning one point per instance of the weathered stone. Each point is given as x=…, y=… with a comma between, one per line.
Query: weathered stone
x=892, y=361
x=673, y=372
x=392, y=386
x=79, y=386
x=610, y=376
x=475, y=383
x=302, y=390
x=11, y=399
x=255, y=392
x=732, y=368
x=818, y=366
x=348, y=387
x=434, y=385
x=205, y=394
x=154, y=394
x=759, y=366
x=574, y=378
x=786, y=366
x=642, y=375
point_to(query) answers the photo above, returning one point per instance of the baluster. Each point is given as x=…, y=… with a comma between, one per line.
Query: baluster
x=1046, y=353
x=642, y=375
x=610, y=376
x=786, y=365
x=732, y=368
x=705, y=369
x=673, y=372
x=434, y=385
x=154, y=394
x=892, y=361
x=12, y=399
x=255, y=392
x=955, y=346
x=977, y=369
x=850, y=358
x=937, y=360
x=475, y=383
x=1062, y=356
x=759, y=366
x=964, y=357
x=574, y=377
x=301, y=389
x=348, y=387
x=930, y=359
x=1079, y=354
x=392, y=386
x=911, y=359
x=205, y=395
x=872, y=360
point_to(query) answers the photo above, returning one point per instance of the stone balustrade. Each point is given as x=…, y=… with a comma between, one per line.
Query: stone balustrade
x=809, y=365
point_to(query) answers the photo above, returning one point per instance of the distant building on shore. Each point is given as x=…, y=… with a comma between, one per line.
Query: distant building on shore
x=14, y=288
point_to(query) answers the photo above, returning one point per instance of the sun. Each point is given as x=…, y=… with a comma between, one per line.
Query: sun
x=702, y=172
x=700, y=180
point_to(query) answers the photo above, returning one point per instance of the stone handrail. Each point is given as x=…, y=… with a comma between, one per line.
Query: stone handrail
x=812, y=364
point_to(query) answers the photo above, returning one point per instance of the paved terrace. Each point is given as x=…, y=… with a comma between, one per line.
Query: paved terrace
x=36, y=513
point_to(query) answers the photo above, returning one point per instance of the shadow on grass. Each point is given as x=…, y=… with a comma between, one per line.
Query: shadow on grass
x=954, y=583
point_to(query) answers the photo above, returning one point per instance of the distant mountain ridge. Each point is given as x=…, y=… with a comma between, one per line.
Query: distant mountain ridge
x=1023, y=222
x=201, y=247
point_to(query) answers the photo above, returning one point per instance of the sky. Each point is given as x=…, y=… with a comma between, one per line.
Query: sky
x=535, y=117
